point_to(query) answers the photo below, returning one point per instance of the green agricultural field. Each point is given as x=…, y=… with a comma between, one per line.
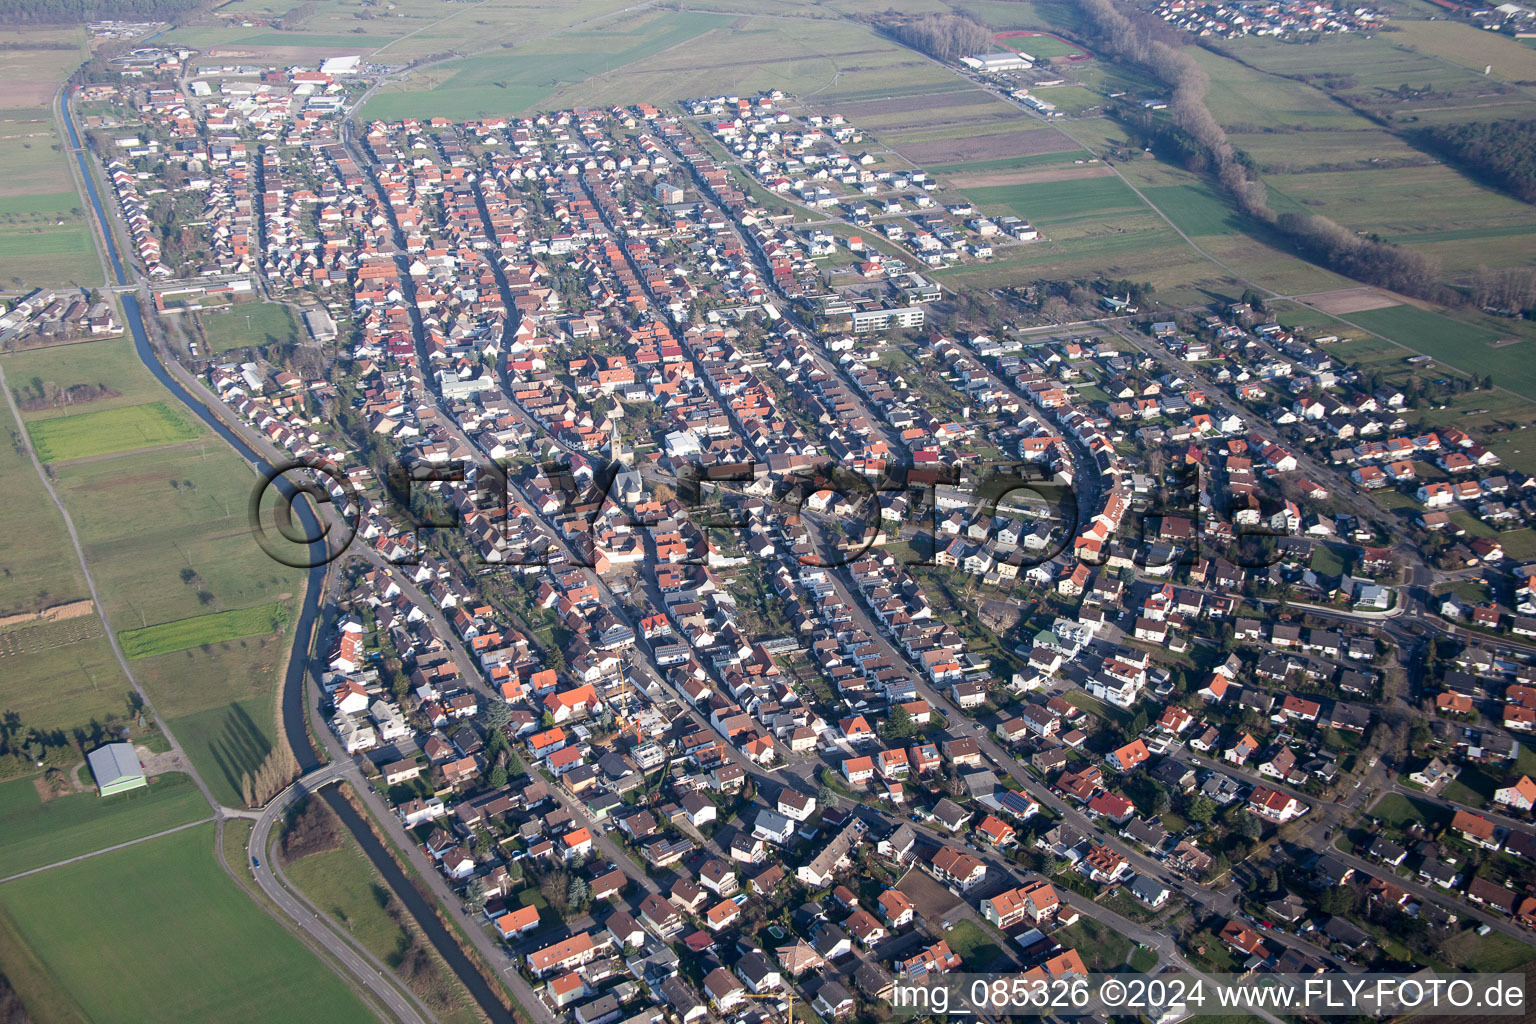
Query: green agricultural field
x=45, y=238
x=1470, y=47
x=110, y=363
x=34, y=833
x=112, y=430
x=1430, y=207
x=1195, y=209
x=938, y=113
x=405, y=30
x=62, y=253
x=1285, y=152
x=221, y=705
x=1465, y=346
x=1058, y=202
x=167, y=534
x=650, y=55
x=64, y=687
x=1072, y=99
x=32, y=575
x=507, y=83
x=1149, y=253
x=1245, y=97
x=159, y=932
x=202, y=630
x=1045, y=15
x=1043, y=47
x=47, y=205
x=250, y=324
x=167, y=538
x=1370, y=72
x=1008, y=163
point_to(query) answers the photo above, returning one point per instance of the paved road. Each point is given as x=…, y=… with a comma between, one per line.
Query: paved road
x=341, y=947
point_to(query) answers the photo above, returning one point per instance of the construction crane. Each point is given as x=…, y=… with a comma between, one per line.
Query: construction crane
x=790, y=990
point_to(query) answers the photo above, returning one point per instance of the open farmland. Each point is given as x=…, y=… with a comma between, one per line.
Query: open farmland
x=1460, y=344
x=508, y=82
x=32, y=576
x=1371, y=71
x=985, y=168
x=34, y=832
x=1022, y=137
x=223, y=742
x=111, y=430
x=214, y=628
x=1465, y=224
x=646, y=55
x=909, y=107
x=45, y=238
x=166, y=534
x=1043, y=15
x=1041, y=46
x=109, y=364
x=160, y=528
x=1058, y=203
x=1299, y=113
x=1472, y=48
x=1092, y=225
x=64, y=687
x=158, y=931
x=406, y=30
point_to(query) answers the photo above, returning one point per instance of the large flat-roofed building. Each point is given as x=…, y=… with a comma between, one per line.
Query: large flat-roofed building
x=319, y=324
x=866, y=320
x=116, y=768
x=1005, y=61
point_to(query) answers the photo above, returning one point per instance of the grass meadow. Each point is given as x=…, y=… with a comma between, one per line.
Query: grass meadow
x=112, y=430
x=221, y=705
x=661, y=56
x=34, y=833
x=200, y=606
x=159, y=932
x=45, y=238
x=32, y=575
x=64, y=687
x=202, y=630
x=1466, y=346
x=249, y=324
x=108, y=363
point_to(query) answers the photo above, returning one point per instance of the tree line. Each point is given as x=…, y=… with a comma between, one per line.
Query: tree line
x=946, y=37
x=73, y=12
x=294, y=19
x=271, y=778
x=1503, y=153
x=1508, y=290
x=1362, y=257
x=11, y=1009
x=311, y=828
